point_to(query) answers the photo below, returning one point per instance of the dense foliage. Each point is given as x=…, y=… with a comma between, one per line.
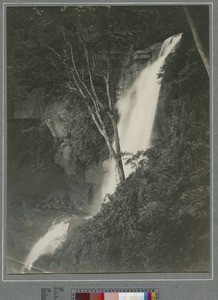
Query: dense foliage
x=86, y=143
x=158, y=219
x=33, y=31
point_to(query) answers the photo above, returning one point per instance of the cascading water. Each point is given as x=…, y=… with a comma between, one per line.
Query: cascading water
x=48, y=244
x=137, y=110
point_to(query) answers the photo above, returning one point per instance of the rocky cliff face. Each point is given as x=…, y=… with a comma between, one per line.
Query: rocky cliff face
x=135, y=63
x=161, y=125
x=58, y=118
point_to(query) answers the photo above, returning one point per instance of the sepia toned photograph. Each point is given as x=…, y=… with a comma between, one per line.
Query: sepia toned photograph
x=108, y=139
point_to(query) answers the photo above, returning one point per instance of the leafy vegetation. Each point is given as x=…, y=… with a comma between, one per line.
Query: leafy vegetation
x=86, y=143
x=158, y=219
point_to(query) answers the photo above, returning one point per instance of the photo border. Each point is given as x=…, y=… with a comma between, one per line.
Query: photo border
x=109, y=277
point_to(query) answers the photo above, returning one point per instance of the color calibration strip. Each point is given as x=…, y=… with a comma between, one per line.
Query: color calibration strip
x=148, y=294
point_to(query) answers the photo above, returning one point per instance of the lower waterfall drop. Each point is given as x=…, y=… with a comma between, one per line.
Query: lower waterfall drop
x=47, y=244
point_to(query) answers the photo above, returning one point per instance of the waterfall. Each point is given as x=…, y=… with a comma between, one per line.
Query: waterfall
x=137, y=110
x=48, y=244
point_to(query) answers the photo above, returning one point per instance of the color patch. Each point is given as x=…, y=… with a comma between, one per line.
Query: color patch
x=131, y=296
x=82, y=296
x=153, y=296
x=97, y=296
x=111, y=296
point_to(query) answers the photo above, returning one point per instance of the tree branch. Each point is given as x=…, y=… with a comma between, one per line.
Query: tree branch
x=53, y=50
x=77, y=73
x=90, y=73
x=108, y=93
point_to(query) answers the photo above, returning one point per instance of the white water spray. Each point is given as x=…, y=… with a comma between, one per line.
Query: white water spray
x=137, y=110
x=48, y=244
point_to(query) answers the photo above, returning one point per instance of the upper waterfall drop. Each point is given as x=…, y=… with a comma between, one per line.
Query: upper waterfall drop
x=136, y=109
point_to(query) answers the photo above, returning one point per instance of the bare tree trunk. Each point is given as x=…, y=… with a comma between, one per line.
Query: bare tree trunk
x=118, y=160
x=197, y=39
x=116, y=154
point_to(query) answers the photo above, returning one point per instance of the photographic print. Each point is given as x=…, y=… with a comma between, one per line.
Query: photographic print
x=108, y=139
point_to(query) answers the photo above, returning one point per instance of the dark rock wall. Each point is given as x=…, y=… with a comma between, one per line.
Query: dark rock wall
x=135, y=63
x=161, y=125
